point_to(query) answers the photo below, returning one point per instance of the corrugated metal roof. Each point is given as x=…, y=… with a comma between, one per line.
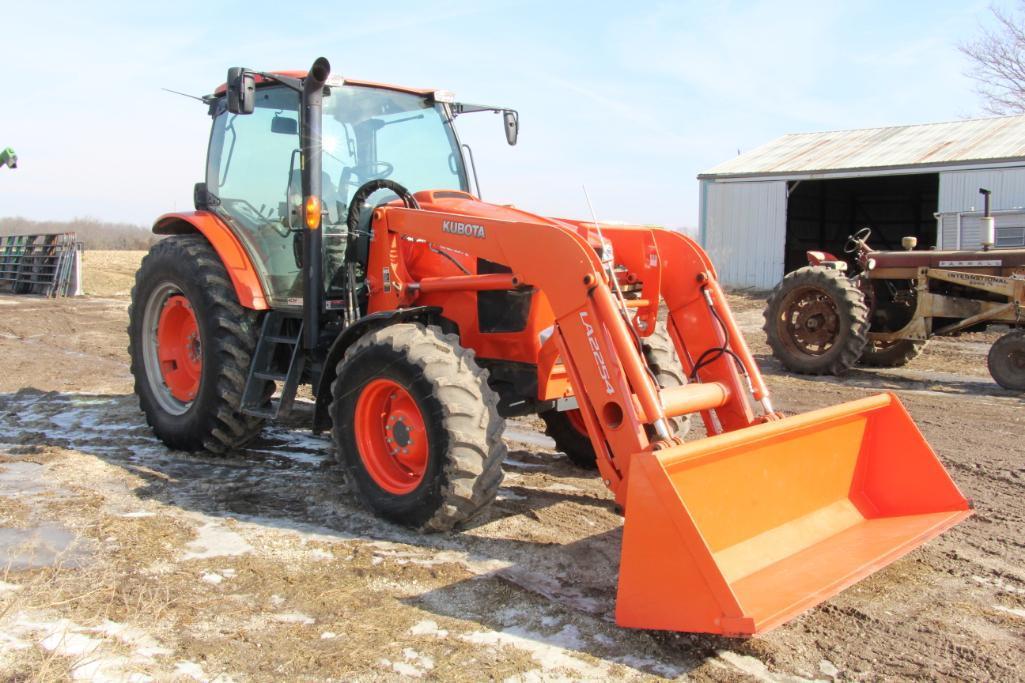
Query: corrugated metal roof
x=974, y=140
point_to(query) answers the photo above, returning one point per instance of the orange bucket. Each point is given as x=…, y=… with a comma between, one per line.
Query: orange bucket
x=738, y=533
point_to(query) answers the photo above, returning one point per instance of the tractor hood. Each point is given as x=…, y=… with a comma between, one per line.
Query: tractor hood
x=454, y=201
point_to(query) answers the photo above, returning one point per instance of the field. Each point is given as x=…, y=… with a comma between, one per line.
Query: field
x=122, y=560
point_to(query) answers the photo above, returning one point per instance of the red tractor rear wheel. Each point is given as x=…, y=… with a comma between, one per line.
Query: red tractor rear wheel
x=816, y=321
x=190, y=343
x=417, y=428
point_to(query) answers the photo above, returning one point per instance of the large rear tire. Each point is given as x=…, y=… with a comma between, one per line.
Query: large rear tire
x=1006, y=360
x=891, y=354
x=816, y=322
x=417, y=427
x=567, y=427
x=190, y=343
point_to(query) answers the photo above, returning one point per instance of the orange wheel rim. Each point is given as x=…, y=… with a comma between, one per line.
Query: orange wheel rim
x=178, y=348
x=391, y=436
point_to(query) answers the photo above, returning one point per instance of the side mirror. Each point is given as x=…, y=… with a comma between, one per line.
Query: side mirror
x=284, y=125
x=512, y=125
x=241, y=91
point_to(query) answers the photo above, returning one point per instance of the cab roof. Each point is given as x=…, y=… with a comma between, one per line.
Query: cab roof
x=423, y=92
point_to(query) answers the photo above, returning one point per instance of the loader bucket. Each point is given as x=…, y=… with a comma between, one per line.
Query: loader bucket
x=738, y=533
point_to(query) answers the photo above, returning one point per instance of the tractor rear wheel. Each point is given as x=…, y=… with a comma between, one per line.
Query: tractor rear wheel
x=190, y=343
x=417, y=428
x=893, y=354
x=816, y=322
x=1007, y=360
x=567, y=427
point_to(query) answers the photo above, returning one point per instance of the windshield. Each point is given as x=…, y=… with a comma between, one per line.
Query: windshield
x=254, y=170
x=371, y=133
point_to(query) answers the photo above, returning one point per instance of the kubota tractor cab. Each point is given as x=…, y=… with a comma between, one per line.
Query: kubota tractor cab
x=336, y=244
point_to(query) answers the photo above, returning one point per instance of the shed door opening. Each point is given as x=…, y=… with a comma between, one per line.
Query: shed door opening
x=822, y=213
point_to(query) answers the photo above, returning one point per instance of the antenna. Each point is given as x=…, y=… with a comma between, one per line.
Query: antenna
x=607, y=257
x=184, y=95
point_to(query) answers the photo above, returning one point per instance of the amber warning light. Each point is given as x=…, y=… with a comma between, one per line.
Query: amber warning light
x=312, y=212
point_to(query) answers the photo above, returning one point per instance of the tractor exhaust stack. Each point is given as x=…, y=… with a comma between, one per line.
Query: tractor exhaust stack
x=312, y=267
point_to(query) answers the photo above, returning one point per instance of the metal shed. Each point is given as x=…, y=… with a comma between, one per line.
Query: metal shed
x=763, y=209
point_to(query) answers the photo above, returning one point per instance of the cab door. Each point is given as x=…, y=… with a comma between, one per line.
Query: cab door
x=254, y=177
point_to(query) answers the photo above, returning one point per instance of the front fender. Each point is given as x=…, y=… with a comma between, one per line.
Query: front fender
x=348, y=337
x=244, y=276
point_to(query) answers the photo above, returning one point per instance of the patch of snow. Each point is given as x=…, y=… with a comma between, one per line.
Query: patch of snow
x=523, y=465
x=294, y=618
x=828, y=668
x=108, y=669
x=401, y=668
x=138, y=514
x=228, y=573
x=211, y=578
x=63, y=639
x=1010, y=610
x=428, y=627
x=216, y=540
x=755, y=668
x=320, y=554
x=524, y=433
x=650, y=665
x=564, y=488
x=328, y=635
x=424, y=662
x=190, y=669
x=8, y=587
x=10, y=642
x=141, y=642
x=550, y=657
x=999, y=584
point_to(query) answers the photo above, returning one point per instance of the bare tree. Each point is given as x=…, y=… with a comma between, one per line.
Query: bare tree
x=997, y=57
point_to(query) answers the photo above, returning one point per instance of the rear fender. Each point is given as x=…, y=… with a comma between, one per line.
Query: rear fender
x=825, y=259
x=244, y=276
x=422, y=314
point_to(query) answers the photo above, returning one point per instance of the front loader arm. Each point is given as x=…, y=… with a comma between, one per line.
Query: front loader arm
x=618, y=399
x=735, y=533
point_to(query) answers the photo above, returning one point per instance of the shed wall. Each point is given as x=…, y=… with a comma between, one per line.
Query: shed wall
x=744, y=231
x=959, y=190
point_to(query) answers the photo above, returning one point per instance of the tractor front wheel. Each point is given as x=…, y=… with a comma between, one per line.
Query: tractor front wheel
x=417, y=428
x=567, y=427
x=816, y=322
x=1007, y=360
x=190, y=343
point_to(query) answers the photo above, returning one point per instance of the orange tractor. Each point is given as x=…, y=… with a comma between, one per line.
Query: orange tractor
x=335, y=244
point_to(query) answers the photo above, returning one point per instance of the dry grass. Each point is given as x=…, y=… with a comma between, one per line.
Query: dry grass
x=110, y=273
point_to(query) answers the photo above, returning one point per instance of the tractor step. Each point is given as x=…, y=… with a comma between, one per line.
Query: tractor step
x=280, y=338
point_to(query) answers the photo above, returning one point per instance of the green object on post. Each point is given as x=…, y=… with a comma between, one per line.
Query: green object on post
x=8, y=158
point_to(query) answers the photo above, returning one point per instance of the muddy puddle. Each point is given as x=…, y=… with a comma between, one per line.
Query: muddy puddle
x=45, y=544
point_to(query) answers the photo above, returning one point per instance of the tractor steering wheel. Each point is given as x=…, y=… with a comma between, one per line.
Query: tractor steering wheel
x=359, y=200
x=855, y=241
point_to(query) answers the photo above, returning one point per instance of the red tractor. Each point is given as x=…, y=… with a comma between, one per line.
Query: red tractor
x=336, y=244
x=823, y=320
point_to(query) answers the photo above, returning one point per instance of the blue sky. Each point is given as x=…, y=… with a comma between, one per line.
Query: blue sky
x=630, y=99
